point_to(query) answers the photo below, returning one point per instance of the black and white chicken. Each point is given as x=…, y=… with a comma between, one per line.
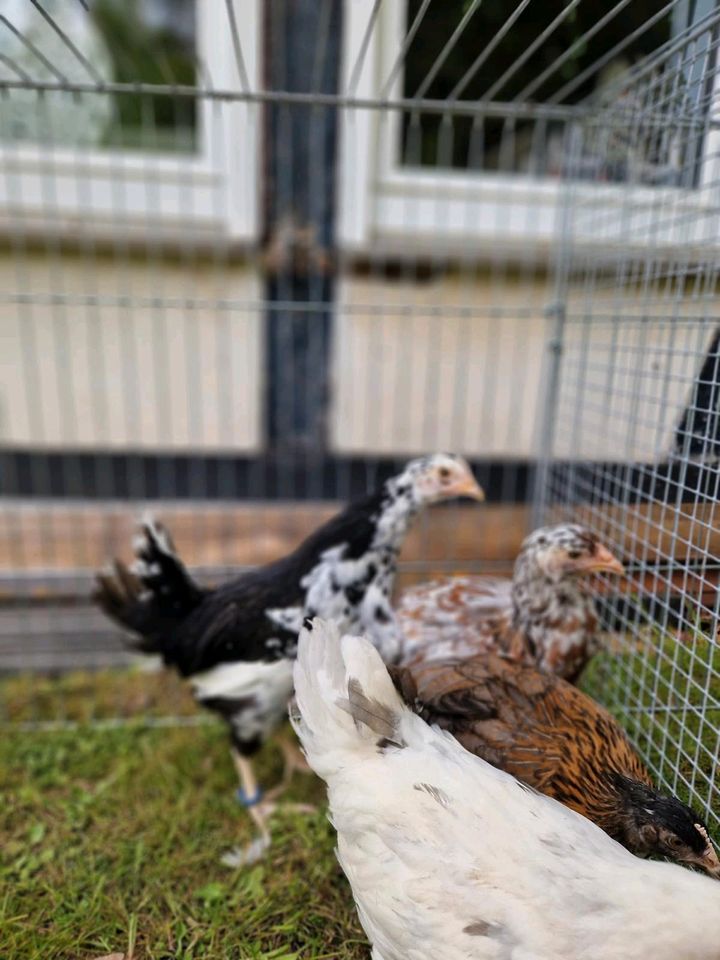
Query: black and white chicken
x=449, y=857
x=235, y=643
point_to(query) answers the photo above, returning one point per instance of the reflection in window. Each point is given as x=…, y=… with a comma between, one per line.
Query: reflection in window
x=559, y=70
x=120, y=41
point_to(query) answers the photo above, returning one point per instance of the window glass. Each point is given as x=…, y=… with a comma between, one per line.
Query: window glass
x=559, y=70
x=120, y=41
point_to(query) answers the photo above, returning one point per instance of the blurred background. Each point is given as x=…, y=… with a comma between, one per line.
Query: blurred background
x=255, y=256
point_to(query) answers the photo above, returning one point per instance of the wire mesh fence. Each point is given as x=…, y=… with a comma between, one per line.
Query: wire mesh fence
x=256, y=256
x=634, y=436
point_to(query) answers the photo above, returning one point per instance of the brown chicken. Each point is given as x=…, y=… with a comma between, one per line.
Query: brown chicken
x=555, y=738
x=544, y=610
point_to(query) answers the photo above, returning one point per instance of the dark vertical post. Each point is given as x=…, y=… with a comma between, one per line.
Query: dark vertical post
x=302, y=41
x=698, y=433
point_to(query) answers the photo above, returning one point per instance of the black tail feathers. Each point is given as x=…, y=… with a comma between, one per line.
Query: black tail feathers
x=163, y=573
x=154, y=595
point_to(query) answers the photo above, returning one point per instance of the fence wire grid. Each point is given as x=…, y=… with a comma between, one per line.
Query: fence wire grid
x=255, y=256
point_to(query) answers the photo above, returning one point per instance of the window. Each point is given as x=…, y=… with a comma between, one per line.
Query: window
x=500, y=55
x=486, y=160
x=153, y=42
x=115, y=41
x=113, y=162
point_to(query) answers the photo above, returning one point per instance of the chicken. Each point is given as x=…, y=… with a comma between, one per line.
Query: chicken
x=544, y=607
x=449, y=857
x=235, y=643
x=555, y=738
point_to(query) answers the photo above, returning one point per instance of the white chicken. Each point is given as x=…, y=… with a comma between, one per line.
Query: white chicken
x=451, y=858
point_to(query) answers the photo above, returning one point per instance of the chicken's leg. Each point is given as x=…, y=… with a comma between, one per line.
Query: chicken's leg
x=294, y=757
x=294, y=762
x=251, y=796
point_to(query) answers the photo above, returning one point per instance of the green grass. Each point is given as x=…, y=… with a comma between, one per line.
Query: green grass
x=111, y=838
x=665, y=691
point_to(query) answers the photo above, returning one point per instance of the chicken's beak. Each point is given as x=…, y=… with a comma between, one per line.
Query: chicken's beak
x=602, y=561
x=708, y=860
x=469, y=488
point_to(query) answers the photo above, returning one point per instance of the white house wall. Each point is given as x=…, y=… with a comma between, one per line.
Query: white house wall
x=160, y=357
x=146, y=356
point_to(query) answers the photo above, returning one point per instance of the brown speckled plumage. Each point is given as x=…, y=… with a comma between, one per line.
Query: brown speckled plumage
x=543, y=615
x=532, y=724
x=546, y=732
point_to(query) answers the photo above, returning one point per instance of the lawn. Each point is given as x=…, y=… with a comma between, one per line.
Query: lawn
x=111, y=838
x=111, y=833
x=665, y=691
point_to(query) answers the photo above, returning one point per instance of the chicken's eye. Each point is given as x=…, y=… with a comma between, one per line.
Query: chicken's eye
x=444, y=474
x=574, y=554
x=674, y=842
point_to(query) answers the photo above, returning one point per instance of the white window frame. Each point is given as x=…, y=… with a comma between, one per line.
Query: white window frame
x=396, y=209
x=114, y=193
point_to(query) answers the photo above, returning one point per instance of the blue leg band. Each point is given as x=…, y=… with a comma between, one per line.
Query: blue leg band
x=247, y=801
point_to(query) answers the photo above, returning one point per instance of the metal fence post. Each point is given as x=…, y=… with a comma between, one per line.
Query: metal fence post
x=552, y=365
x=556, y=313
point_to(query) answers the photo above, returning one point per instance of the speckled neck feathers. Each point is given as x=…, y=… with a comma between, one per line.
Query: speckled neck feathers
x=398, y=507
x=351, y=580
x=555, y=616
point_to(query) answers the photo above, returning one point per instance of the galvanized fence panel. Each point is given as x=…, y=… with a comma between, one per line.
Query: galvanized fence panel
x=314, y=239
x=632, y=448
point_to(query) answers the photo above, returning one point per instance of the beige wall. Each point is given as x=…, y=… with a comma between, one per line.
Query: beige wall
x=456, y=362
x=476, y=383
x=629, y=365
x=412, y=381
x=150, y=376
